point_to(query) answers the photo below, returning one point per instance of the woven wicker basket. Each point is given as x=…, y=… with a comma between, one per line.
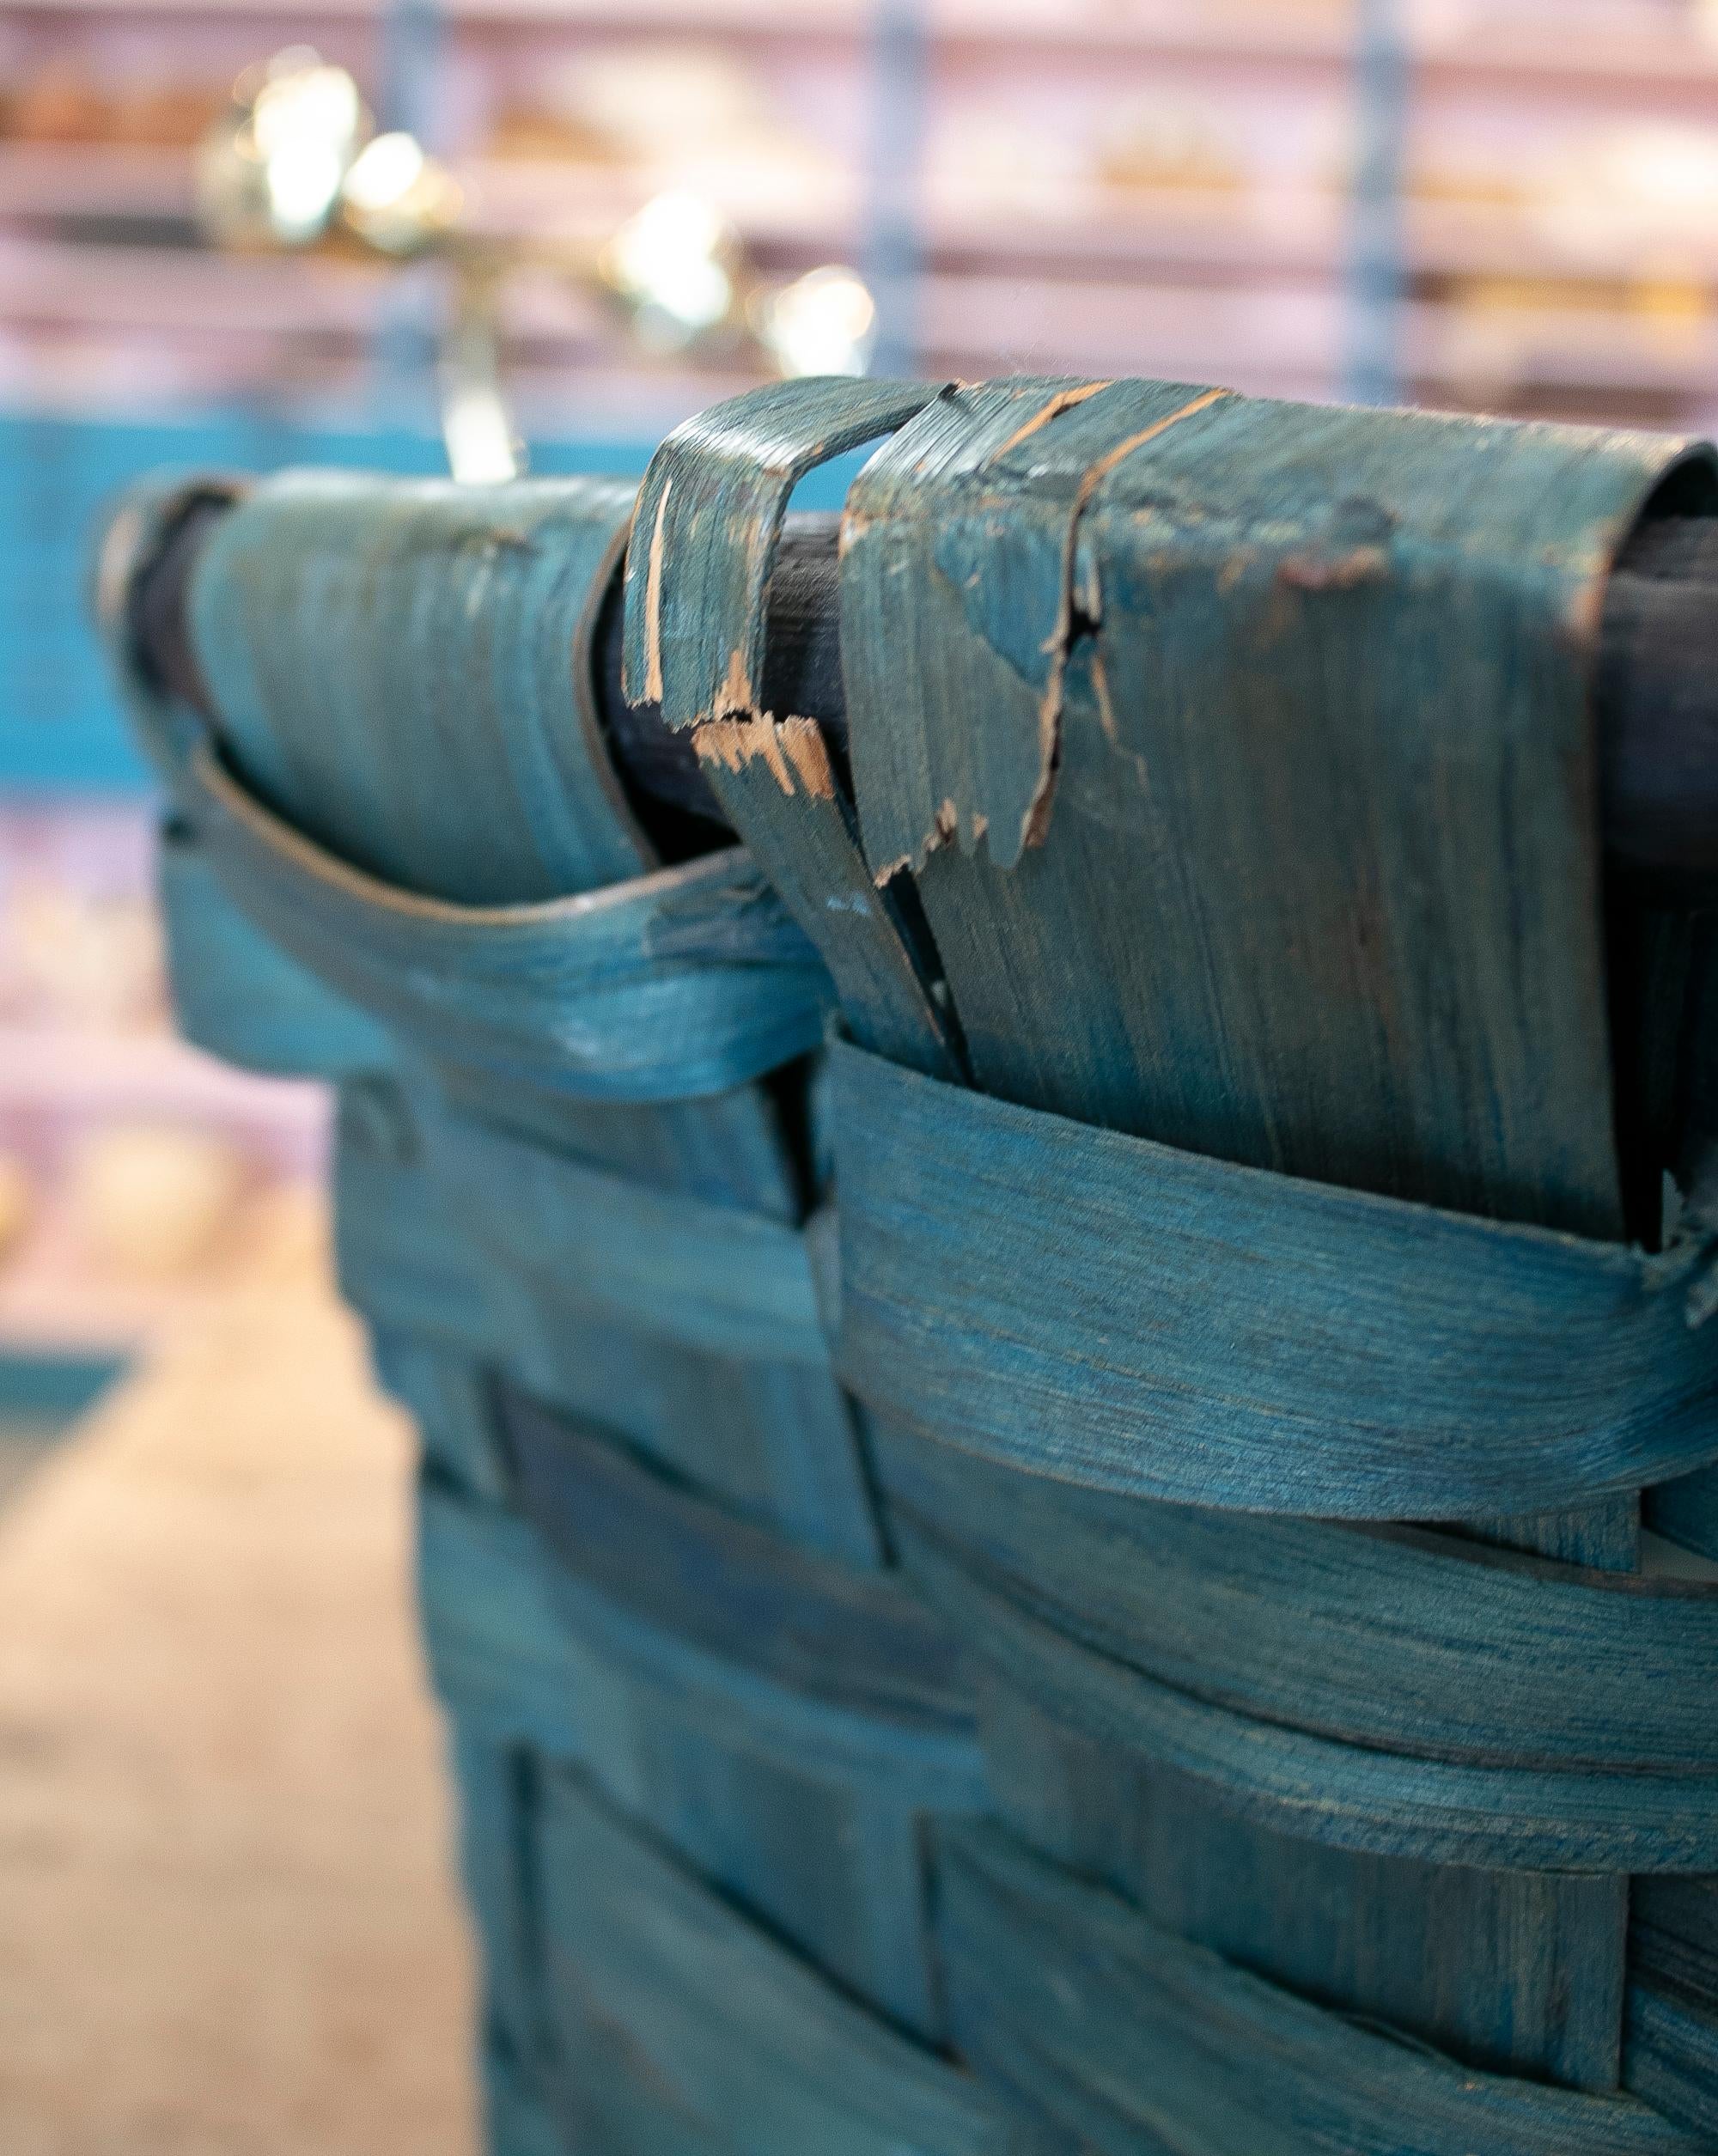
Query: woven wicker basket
x=1035, y=1388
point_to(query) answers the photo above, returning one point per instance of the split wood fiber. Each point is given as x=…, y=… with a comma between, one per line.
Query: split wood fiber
x=1062, y=1573
x=1656, y=688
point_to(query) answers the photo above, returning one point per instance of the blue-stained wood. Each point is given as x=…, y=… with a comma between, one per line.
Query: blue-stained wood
x=399, y=1257
x=743, y=2035
x=809, y=1811
x=237, y=995
x=715, y=494
x=1484, y=1963
x=1395, y=1639
x=562, y=1183
x=853, y=1640
x=1670, y=2039
x=770, y=1435
x=1036, y=1291
x=1322, y=713
x=62, y=473
x=532, y=1658
x=697, y=637
x=1285, y=851
x=1687, y=1511
x=965, y=594
x=1222, y=804
x=1130, y=2039
x=138, y=529
x=497, y=1790
x=1505, y=1819
x=686, y=982
x=351, y=628
x=667, y=1264
x=451, y=1399
x=403, y=673
x=1670, y=2055
x=1676, y=1933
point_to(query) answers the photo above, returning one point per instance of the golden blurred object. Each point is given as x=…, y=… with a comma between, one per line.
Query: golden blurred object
x=823, y=323
x=151, y=1202
x=1156, y=144
x=60, y=105
x=1672, y=305
x=1674, y=296
x=643, y=101
x=396, y=199
x=537, y=133
x=676, y=264
x=296, y=163
x=17, y=1202
x=1480, y=187
x=270, y=174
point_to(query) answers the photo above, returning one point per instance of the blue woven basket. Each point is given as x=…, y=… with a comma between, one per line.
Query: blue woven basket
x=1035, y=1389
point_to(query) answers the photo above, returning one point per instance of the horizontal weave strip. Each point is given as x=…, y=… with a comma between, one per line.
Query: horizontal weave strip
x=1671, y=2054
x=773, y=1434
x=515, y=2117
x=813, y=1823
x=482, y=1239
x=811, y=1814
x=664, y=1263
x=674, y=985
x=1410, y=1641
x=1109, y=1310
x=1346, y=1796
x=399, y=1257
x=238, y=996
x=450, y=1399
x=1131, y=2039
x=854, y=1639
x=760, y=2047
x=517, y=1642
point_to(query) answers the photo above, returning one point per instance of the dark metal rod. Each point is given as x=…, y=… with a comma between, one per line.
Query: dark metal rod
x=1657, y=689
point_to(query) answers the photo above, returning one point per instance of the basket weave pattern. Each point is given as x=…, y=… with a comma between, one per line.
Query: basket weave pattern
x=1035, y=1388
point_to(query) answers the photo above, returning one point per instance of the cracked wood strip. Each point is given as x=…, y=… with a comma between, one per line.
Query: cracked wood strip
x=715, y=495
x=729, y=474
x=1318, y=890
x=796, y=1846
x=986, y=591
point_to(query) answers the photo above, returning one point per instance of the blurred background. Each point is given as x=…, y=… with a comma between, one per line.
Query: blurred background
x=237, y=234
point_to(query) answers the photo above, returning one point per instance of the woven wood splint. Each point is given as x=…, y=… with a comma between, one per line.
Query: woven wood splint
x=1036, y=1387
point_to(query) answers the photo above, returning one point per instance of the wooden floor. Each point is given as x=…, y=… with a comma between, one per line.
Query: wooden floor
x=227, y=1926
